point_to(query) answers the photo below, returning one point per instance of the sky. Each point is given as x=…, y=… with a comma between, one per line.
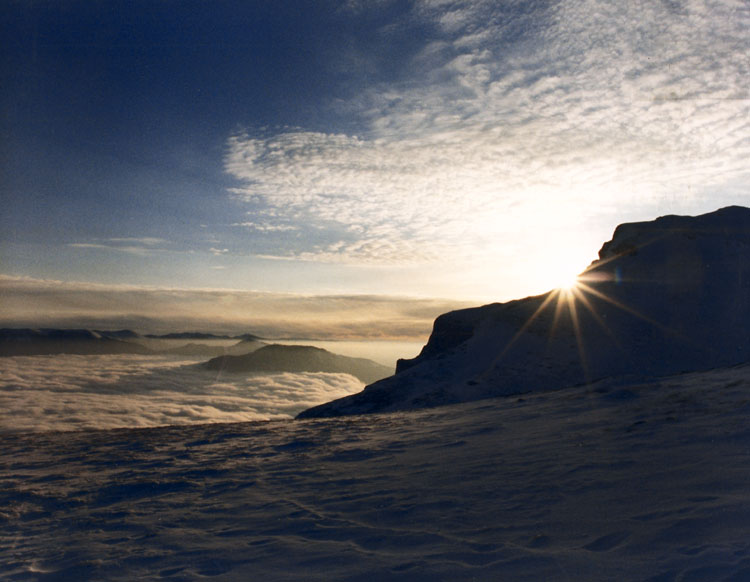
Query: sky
x=393, y=157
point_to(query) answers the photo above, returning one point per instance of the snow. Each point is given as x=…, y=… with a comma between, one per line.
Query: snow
x=572, y=444
x=612, y=481
x=665, y=297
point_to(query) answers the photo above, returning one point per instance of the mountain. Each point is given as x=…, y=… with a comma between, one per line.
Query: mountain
x=281, y=358
x=33, y=342
x=250, y=344
x=248, y=337
x=195, y=349
x=665, y=297
x=189, y=335
x=122, y=334
x=211, y=351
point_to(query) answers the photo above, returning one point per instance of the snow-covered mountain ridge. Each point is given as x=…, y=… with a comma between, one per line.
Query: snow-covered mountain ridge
x=665, y=296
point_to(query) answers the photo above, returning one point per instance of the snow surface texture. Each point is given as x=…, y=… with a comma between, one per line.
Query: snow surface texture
x=666, y=296
x=607, y=482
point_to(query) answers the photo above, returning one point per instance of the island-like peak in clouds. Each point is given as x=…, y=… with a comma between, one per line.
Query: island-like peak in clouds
x=35, y=342
x=667, y=296
x=294, y=358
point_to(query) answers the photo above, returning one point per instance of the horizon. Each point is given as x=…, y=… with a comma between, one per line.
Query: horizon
x=345, y=169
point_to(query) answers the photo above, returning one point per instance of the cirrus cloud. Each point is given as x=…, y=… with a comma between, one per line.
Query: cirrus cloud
x=515, y=119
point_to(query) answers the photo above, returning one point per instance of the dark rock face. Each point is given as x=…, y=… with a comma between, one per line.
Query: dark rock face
x=667, y=296
x=282, y=358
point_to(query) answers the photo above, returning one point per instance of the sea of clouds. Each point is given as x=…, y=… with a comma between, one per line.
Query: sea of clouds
x=72, y=392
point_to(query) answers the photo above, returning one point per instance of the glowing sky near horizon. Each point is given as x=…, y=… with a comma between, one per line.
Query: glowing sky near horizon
x=473, y=150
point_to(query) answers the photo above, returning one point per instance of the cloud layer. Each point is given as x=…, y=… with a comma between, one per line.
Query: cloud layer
x=28, y=302
x=70, y=392
x=512, y=120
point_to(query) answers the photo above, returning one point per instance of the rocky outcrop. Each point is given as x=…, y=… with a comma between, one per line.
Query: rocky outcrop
x=666, y=296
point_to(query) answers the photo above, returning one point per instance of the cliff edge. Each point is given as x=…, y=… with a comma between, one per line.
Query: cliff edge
x=664, y=297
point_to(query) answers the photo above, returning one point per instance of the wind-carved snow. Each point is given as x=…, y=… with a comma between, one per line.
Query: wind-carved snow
x=666, y=296
x=605, y=482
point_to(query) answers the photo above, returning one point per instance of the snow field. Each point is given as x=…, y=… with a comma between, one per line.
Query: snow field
x=607, y=482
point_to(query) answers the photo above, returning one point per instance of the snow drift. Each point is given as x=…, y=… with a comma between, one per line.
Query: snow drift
x=664, y=297
x=608, y=483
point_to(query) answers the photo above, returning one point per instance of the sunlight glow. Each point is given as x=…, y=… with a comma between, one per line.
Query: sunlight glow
x=574, y=299
x=568, y=283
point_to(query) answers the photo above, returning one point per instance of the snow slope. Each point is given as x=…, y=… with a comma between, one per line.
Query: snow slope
x=666, y=296
x=608, y=482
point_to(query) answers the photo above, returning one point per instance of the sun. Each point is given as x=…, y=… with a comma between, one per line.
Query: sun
x=567, y=282
x=558, y=270
x=561, y=269
x=563, y=275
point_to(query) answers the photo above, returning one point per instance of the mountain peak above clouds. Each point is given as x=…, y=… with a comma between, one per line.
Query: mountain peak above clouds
x=666, y=296
x=46, y=341
x=297, y=358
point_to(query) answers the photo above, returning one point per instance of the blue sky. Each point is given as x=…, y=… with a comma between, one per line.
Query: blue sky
x=473, y=151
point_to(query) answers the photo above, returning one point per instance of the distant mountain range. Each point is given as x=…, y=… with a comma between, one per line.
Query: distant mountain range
x=196, y=335
x=30, y=342
x=247, y=355
x=667, y=296
x=212, y=351
x=47, y=341
x=283, y=358
x=123, y=334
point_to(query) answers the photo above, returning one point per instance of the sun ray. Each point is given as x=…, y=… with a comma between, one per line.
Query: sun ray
x=665, y=329
x=581, y=296
x=550, y=297
x=558, y=311
x=573, y=310
x=566, y=298
x=526, y=325
x=630, y=310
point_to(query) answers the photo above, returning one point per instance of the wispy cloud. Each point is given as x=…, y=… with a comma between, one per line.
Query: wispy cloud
x=129, y=249
x=146, y=240
x=266, y=227
x=141, y=246
x=151, y=246
x=518, y=117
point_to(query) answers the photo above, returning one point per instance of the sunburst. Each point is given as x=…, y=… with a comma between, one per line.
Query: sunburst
x=568, y=283
x=571, y=300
